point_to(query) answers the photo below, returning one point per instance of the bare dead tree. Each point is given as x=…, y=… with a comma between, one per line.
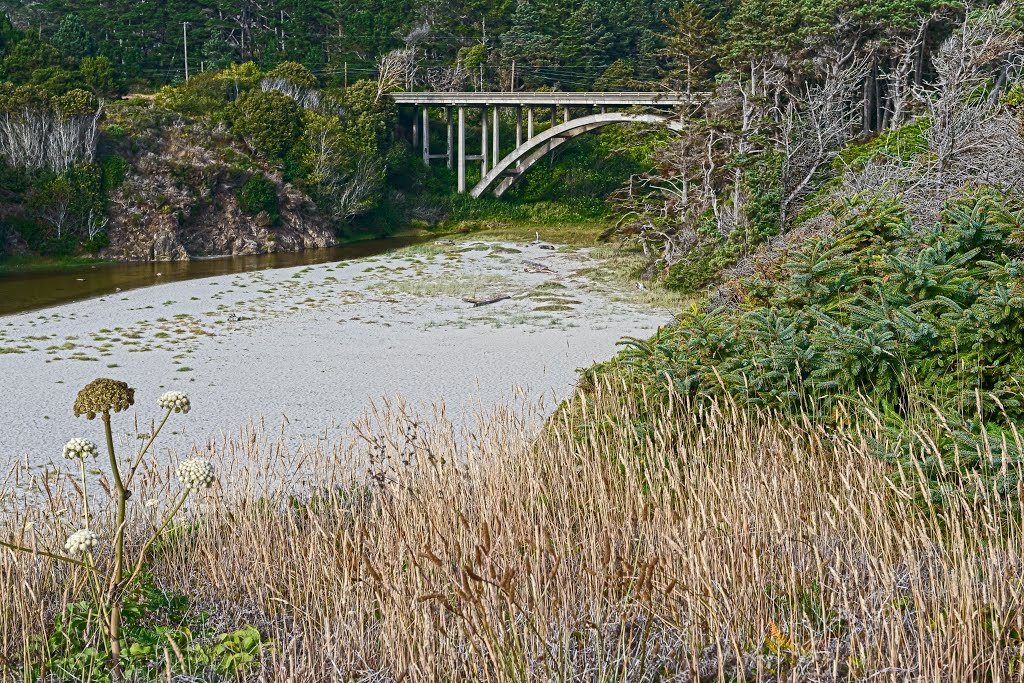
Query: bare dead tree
x=814, y=128
x=447, y=78
x=95, y=224
x=971, y=137
x=44, y=138
x=396, y=69
x=354, y=192
x=983, y=47
x=900, y=77
x=308, y=98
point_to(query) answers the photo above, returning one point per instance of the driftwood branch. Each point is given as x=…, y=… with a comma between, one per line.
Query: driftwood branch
x=489, y=300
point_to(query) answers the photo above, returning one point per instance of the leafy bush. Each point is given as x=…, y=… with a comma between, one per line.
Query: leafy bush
x=270, y=122
x=115, y=170
x=1015, y=101
x=210, y=92
x=902, y=143
x=154, y=621
x=259, y=193
x=882, y=311
x=294, y=73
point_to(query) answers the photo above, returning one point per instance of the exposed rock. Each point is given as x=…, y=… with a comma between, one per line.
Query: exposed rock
x=178, y=202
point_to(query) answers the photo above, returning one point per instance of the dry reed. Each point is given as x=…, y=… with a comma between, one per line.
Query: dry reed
x=712, y=544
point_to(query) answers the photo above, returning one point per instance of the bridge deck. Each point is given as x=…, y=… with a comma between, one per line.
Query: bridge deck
x=541, y=99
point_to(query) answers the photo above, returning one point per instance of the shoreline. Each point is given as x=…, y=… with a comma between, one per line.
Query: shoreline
x=311, y=347
x=35, y=290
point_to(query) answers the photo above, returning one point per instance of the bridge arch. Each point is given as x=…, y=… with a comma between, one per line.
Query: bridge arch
x=512, y=167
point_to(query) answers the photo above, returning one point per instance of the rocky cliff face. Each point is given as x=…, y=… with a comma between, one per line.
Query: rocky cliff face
x=178, y=202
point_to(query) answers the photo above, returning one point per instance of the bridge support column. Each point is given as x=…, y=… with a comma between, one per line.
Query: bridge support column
x=462, y=150
x=484, y=143
x=426, y=136
x=495, y=134
x=554, y=116
x=519, y=126
x=529, y=123
x=565, y=114
x=416, y=126
x=448, y=114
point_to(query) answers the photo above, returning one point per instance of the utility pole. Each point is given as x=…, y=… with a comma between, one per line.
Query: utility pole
x=512, y=83
x=184, y=32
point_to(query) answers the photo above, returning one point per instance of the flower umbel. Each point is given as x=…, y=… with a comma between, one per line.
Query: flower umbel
x=81, y=541
x=196, y=473
x=80, y=449
x=176, y=401
x=103, y=396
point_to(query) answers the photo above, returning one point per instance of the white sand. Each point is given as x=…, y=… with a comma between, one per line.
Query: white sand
x=315, y=345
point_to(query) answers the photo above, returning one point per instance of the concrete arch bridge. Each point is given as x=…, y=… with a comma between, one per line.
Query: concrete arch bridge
x=498, y=173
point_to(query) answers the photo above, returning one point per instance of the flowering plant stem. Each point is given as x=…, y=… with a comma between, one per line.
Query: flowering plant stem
x=142, y=453
x=85, y=494
x=52, y=556
x=159, y=532
x=114, y=587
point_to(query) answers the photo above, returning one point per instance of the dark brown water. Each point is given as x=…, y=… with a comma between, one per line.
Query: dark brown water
x=28, y=291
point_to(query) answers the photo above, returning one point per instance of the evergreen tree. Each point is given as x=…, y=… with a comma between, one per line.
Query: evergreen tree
x=690, y=47
x=73, y=38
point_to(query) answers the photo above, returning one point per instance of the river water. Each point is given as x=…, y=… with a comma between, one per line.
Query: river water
x=21, y=292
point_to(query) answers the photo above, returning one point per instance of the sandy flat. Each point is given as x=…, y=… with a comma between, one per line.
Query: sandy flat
x=309, y=347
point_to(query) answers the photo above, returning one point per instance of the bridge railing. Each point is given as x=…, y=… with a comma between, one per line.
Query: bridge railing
x=524, y=99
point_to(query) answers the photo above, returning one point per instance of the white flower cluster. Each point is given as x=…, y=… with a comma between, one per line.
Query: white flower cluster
x=80, y=449
x=196, y=472
x=176, y=401
x=81, y=541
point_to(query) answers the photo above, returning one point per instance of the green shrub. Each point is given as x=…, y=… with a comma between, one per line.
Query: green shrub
x=115, y=169
x=269, y=122
x=259, y=193
x=294, y=73
x=1014, y=99
x=100, y=240
x=903, y=143
x=884, y=311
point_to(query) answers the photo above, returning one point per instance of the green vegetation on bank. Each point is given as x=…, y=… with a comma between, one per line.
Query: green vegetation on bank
x=27, y=264
x=916, y=327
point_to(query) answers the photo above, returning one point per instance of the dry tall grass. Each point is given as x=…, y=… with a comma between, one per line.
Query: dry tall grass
x=712, y=545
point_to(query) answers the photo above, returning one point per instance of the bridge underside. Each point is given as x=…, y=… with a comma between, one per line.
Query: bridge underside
x=510, y=168
x=498, y=173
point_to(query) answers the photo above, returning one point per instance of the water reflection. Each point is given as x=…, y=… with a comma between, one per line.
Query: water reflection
x=27, y=291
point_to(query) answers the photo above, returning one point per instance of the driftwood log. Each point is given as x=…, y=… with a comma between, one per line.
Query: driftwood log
x=536, y=267
x=490, y=300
